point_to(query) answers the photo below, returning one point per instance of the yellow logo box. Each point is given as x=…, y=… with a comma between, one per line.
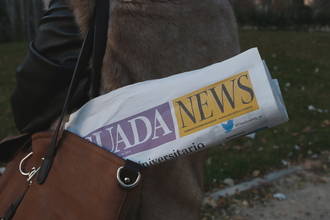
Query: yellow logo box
x=216, y=103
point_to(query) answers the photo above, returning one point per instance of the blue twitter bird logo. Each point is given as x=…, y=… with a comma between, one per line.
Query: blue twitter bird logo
x=228, y=126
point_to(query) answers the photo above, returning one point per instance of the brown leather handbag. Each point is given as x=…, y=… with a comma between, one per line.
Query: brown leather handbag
x=58, y=175
x=84, y=182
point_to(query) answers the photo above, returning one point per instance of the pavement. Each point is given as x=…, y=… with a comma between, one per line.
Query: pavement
x=303, y=195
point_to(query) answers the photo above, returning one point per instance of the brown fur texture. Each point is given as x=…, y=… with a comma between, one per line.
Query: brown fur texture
x=151, y=39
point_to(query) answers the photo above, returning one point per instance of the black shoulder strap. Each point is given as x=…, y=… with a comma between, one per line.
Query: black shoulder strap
x=94, y=42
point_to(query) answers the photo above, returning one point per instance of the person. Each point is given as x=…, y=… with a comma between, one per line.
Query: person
x=149, y=40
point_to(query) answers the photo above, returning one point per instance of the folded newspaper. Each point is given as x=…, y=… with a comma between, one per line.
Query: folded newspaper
x=158, y=120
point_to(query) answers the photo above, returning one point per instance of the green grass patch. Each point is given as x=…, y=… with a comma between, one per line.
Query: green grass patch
x=10, y=57
x=300, y=61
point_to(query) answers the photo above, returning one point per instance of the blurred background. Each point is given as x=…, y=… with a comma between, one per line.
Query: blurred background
x=19, y=18
x=293, y=36
x=306, y=15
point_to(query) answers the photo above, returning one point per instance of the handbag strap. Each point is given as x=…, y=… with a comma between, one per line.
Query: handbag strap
x=94, y=45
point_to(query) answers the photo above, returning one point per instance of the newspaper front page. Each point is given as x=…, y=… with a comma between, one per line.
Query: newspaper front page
x=159, y=120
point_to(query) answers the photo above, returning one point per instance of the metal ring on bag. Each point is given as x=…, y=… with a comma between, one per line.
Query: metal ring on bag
x=21, y=164
x=126, y=183
x=33, y=171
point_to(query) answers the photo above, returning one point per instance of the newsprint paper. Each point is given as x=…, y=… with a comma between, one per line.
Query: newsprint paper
x=159, y=120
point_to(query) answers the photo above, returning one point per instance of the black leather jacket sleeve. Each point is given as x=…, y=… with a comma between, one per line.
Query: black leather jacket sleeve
x=43, y=77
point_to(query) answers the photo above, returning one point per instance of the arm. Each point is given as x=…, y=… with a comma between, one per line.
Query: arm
x=43, y=77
